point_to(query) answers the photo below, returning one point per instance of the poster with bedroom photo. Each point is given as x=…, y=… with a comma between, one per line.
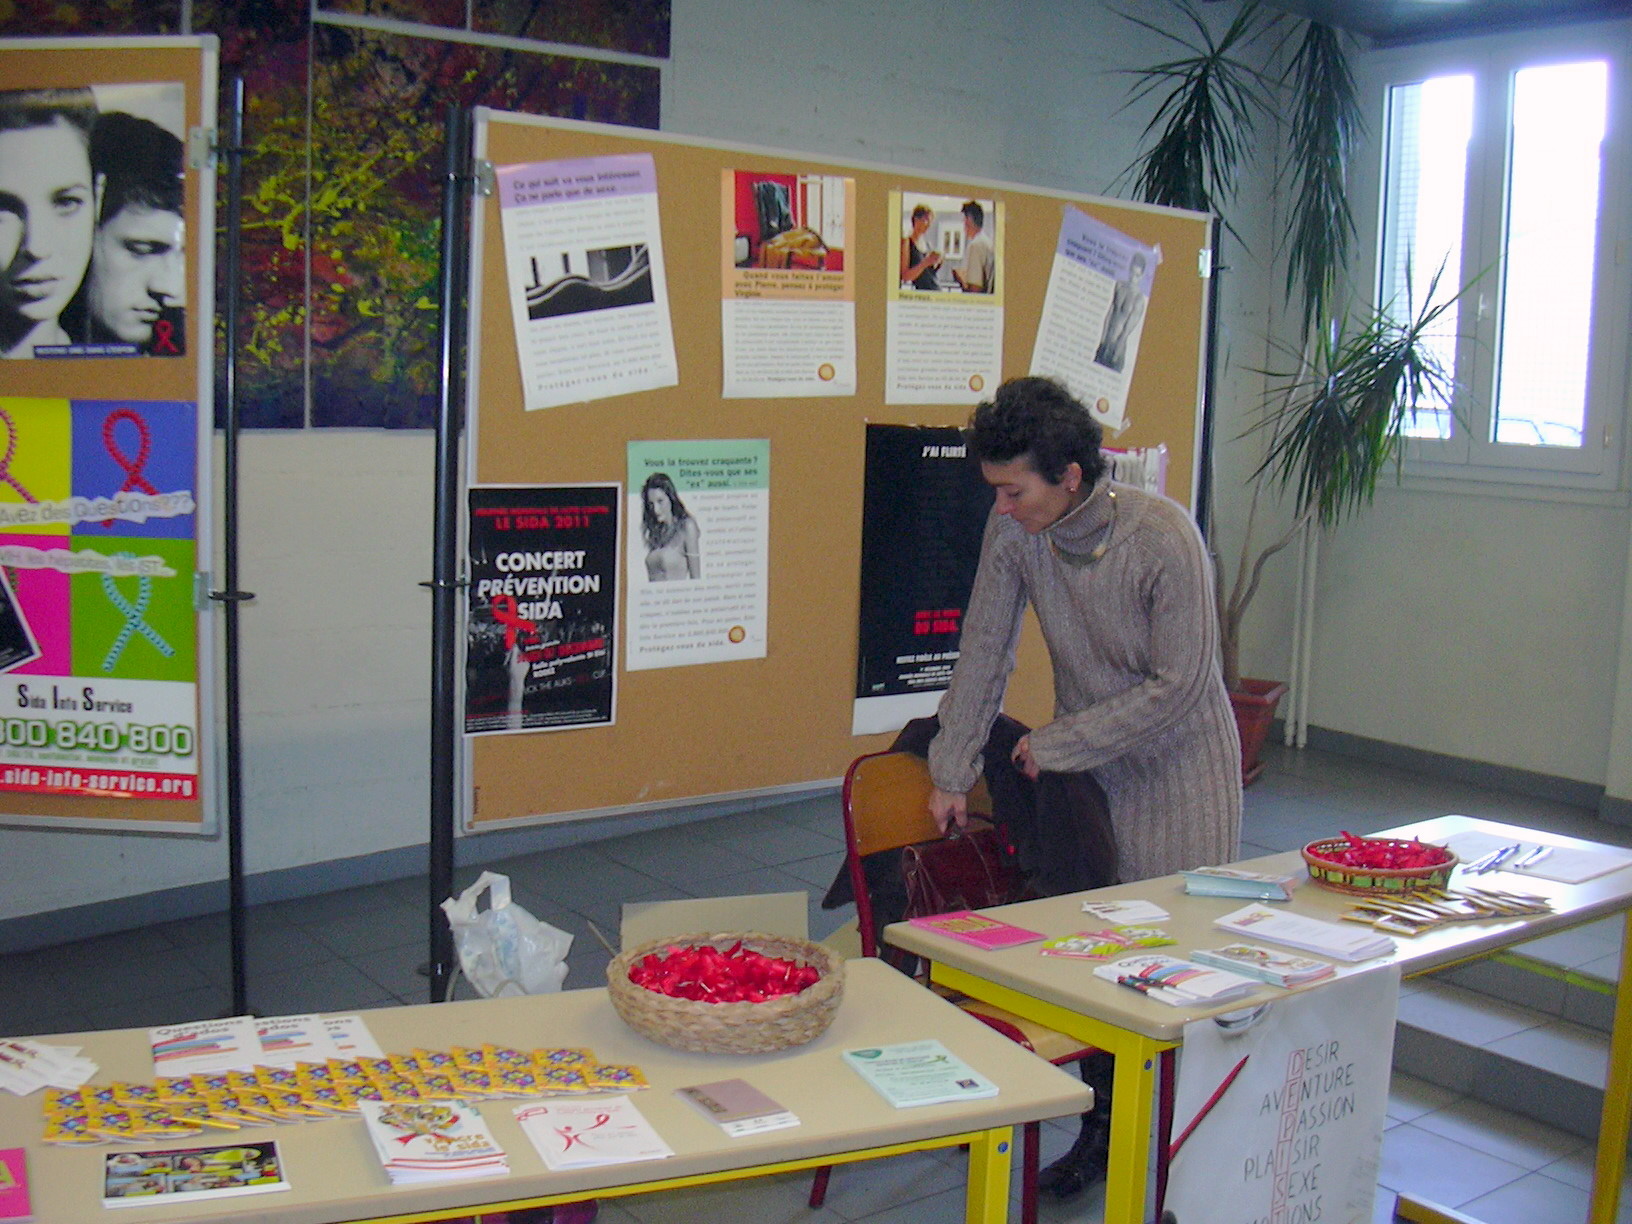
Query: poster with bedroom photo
x=93, y=233
x=788, y=305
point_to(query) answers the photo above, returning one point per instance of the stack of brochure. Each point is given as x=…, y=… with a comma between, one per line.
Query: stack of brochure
x=29, y=1065
x=1233, y=882
x=1344, y=943
x=579, y=1134
x=1112, y=941
x=919, y=1073
x=737, y=1107
x=1125, y=911
x=432, y=1140
x=1168, y=979
x=1267, y=964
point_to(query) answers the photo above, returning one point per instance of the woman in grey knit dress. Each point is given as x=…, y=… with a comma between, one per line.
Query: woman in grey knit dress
x=1123, y=590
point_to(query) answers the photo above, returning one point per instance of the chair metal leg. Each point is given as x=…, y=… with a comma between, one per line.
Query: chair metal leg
x=1030, y=1158
x=818, y=1185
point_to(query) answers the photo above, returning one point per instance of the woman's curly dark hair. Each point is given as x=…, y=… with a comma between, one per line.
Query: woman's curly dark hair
x=1040, y=418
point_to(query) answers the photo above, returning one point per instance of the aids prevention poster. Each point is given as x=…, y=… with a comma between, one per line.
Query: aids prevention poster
x=924, y=510
x=1094, y=314
x=583, y=250
x=1279, y=1111
x=542, y=604
x=943, y=340
x=788, y=309
x=698, y=551
x=98, y=632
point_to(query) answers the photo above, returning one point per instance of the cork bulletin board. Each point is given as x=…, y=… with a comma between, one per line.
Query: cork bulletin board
x=121, y=692
x=782, y=722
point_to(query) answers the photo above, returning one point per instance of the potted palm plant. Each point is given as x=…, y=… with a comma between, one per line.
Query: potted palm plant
x=1336, y=414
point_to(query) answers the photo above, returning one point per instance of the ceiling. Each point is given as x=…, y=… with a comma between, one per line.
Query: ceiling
x=1390, y=22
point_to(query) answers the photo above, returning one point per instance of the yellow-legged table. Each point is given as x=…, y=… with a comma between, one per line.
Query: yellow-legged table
x=1057, y=992
x=335, y=1175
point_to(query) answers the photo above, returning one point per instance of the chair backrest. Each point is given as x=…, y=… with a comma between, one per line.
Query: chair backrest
x=886, y=806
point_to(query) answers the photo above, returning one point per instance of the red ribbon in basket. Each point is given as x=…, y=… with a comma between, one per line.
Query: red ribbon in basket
x=738, y=975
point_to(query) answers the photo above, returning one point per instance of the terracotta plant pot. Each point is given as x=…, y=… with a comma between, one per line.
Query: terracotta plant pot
x=1255, y=705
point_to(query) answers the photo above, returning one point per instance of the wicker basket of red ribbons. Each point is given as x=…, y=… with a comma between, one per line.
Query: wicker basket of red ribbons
x=1368, y=865
x=737, y=992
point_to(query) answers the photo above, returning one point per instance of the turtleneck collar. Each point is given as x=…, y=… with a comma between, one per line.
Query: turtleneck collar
x=1085, y=528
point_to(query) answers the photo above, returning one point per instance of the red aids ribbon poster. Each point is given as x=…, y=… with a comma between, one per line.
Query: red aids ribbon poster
x=543, y=600
x=98, y=631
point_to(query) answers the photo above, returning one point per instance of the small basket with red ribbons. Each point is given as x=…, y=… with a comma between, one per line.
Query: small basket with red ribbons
x=1369, y=865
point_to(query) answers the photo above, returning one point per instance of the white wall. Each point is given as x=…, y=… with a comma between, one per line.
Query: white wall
x=1483, y=624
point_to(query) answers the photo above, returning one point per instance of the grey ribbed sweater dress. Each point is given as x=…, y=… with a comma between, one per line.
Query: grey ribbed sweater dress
x=1138, y=696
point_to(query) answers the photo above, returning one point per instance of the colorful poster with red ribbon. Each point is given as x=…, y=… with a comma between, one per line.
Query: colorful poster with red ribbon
x=543, y=565
x=98, y=636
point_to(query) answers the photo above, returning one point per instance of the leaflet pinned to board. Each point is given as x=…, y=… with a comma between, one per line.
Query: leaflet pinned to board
x=944, y=318
x=1094, y=314
x=788, y=307
x=699, y=553
x=588, y=291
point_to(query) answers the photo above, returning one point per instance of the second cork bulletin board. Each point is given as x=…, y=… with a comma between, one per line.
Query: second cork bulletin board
x=781, y=722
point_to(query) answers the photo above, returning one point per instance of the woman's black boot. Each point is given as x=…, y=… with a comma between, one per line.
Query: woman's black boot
x=1084, y=1164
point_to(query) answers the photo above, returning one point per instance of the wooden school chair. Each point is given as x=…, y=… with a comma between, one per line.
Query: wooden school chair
x=886, y=807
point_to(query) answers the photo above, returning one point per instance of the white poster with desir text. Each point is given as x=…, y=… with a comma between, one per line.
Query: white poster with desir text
x=1285, y=1112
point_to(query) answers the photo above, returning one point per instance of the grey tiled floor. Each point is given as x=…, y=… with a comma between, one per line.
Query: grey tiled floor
x=362, y=948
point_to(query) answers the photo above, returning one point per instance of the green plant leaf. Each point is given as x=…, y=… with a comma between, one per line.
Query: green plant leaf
x=1210, y=100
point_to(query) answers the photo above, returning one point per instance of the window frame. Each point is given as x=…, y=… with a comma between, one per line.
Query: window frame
x=1598, y=465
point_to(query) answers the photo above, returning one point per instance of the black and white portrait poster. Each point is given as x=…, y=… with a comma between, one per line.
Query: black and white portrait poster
x=923, y=514
x=543, y=565
x=93, y=232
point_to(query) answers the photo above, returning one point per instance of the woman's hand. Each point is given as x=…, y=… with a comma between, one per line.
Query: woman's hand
x=1023, y=760
x=948, y=808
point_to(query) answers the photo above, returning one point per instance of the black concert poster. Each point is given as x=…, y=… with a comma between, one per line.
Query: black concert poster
x=541, y=607
x=923, y=514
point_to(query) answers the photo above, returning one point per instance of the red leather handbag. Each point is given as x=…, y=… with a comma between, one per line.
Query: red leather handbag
x=971, y=869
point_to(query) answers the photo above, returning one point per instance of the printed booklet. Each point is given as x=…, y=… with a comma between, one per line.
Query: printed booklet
x=1306, y=934
x=1234, y=882
x=190, y=1175
x=432, y=1140
x=919, y=1073
x=737, y=1107
x=1112, y=941
x=1268, y=964
x=968, y=927
x=577, y=1134
x=14, y=1200
x=1168, y=979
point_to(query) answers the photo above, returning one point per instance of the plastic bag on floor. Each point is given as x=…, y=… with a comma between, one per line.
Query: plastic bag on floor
x=503, y=949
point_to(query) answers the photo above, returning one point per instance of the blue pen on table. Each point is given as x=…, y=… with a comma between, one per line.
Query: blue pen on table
x=1535, y=856
x=1501, y=856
